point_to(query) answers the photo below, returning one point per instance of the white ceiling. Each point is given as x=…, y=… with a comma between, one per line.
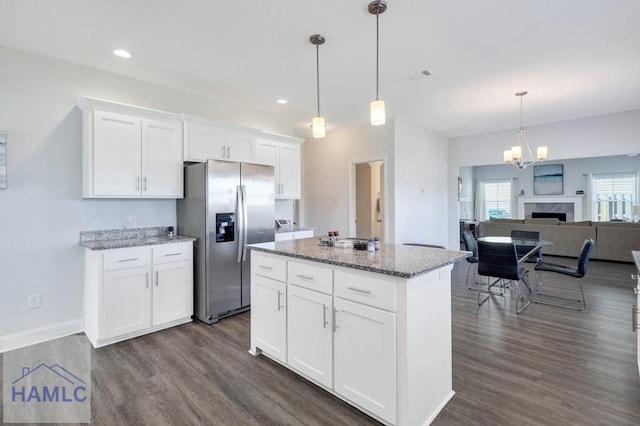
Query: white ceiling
x=577, y=58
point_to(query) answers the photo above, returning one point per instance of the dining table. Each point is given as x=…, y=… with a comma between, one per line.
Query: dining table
x=535, y=245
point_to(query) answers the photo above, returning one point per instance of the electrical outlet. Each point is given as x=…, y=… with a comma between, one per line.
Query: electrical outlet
x=132, y=221
x=33, y=301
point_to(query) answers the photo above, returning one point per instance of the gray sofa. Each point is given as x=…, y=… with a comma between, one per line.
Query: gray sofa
x=613, y=240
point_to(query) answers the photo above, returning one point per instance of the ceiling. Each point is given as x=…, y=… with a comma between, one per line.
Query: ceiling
x=577, y=58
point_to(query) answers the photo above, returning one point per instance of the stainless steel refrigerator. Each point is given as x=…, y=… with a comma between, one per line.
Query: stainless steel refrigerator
x=226, y=206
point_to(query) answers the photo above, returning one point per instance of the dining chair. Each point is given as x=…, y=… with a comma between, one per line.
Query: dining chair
x=577, y=272
x=470, y=245
x=500, y=261
x=522, y=250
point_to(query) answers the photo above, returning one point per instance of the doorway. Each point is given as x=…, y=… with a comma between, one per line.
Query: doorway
x=367, y=201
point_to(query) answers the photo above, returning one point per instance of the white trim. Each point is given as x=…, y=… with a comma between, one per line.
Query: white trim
x=575, y=199
x=34, y=336
x=352, y=194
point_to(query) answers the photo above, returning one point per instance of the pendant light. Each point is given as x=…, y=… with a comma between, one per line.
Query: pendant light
x=317, y=125
x=377, y=111
x=515, y=155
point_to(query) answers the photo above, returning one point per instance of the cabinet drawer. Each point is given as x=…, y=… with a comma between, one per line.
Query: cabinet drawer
x=369, y=290
x=177, y=252
x=127, y=258
x=311, y=277
x=270, y=267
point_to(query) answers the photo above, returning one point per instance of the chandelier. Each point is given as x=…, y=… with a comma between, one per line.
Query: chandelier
x=515, y=155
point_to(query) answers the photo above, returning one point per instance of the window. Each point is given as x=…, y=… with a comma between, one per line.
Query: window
x=614, y=197
x=497, y=199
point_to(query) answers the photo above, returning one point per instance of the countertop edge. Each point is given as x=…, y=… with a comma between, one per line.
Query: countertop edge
x=98, y=245
x=427, y=269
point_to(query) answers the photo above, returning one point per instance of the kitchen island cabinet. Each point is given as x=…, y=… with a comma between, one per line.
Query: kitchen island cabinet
x=373, y=329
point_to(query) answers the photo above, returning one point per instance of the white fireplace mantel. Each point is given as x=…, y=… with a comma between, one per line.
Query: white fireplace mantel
x=575, y=199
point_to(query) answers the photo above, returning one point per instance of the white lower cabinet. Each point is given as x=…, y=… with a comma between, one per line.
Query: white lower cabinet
x=365, y=357
x=126, y=301
x=134, y=291
x=269, y=315
x=310, y=333
x=172, y=291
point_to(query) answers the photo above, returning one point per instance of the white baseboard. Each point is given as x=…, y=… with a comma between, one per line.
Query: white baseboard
x=21, y=339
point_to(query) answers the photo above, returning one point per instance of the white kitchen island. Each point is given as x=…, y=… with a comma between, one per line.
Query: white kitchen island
x=372, y=328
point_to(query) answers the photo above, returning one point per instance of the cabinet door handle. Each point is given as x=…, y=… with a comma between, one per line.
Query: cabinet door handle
x=279, y=305
x=156, y=278
x=138, y=183
x=128, y=260
x=305, y=277
x=228, y=151
x=335, y=322
x=268, y=268
x=146, y=278
x=359, y=290
x=173, y=254
x=324, y=316
x=634, y=318
x=144, y=184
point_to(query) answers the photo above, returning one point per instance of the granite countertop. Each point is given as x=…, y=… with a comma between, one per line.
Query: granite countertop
x=636, y=259
x=396, y=260
x=135, y=237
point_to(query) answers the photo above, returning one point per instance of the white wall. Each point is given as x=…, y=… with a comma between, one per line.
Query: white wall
x=614, y=134
x=325, y=174
x=420, y=185
x=41, y=211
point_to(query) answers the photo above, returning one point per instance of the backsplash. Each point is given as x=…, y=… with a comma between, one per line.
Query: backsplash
x=122, y=234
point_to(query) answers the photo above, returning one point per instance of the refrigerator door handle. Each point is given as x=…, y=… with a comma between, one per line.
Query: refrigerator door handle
x=240, y=221
x=245, y=223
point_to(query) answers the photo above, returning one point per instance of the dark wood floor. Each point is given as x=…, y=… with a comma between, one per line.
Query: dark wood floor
x=546, y=366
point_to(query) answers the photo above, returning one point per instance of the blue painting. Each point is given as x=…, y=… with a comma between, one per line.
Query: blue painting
x=547, y=179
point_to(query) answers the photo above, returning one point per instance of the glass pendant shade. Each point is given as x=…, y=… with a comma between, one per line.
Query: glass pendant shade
x=378, y=115
x=542, y=153
x=318, y=127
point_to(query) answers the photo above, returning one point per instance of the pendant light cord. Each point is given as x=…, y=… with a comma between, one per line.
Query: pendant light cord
x=318, y=77
x=377, y=50
x=521, y=114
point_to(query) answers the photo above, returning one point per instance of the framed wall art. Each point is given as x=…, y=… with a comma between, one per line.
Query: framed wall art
x=548, y=179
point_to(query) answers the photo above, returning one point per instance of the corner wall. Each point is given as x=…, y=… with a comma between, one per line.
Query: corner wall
x=41, y=211
x=420, y=185
x=325, y=175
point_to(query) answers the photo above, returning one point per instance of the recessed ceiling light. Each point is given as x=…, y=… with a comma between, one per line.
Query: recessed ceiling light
x=122, y=53
x=282, y=101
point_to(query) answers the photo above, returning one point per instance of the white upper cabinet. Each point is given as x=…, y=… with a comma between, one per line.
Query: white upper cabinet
x=130, y=152
x=282, y=152
x=206, y=139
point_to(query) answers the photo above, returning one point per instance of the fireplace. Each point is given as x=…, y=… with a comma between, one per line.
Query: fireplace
x=562, y=217
x=554, y=205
